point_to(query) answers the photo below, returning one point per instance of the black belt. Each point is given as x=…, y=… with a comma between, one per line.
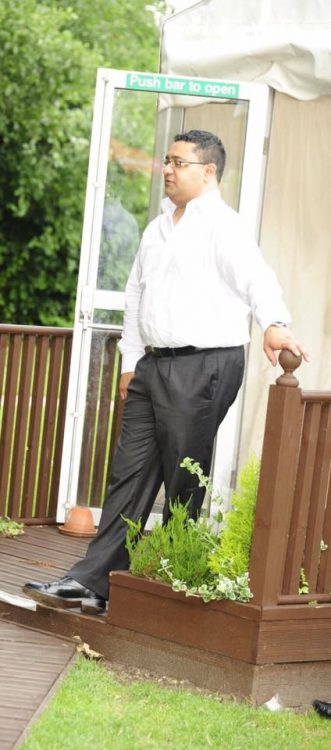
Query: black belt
x=171, y=351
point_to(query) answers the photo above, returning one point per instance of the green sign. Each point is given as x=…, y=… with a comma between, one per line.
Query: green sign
x=174, y=85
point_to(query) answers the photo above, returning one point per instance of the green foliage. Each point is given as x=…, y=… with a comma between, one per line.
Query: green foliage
x=194, y=468
x=49, y=53
x=145, y=552
x=184, y=544
x=45, y=112
x=233, y=553
x=303, y=584
x=10, y=528
x=123, y=32
x=190, y=555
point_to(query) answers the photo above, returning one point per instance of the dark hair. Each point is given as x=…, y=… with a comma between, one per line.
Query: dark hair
x=210, y=145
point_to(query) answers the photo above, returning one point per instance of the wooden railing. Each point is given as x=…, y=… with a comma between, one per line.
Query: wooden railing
x=34, y=373
x=34, y=369
x=292, y=535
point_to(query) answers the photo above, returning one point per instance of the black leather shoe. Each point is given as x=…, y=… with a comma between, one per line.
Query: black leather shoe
x=93, y=606
x=65, y=593
x=322, y=708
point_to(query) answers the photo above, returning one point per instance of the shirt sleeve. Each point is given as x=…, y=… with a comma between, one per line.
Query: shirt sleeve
x=247, y=274
x=131, y=344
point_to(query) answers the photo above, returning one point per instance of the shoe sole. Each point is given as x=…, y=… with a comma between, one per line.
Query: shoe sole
x=92, y=606
x=51, y=600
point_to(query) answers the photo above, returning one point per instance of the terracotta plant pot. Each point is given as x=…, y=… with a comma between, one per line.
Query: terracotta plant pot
x=79, y=522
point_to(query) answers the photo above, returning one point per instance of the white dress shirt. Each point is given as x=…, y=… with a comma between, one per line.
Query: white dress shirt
x=196, y=282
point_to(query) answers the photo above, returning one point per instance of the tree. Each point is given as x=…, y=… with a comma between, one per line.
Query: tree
x=123, y=31
x=49, y=53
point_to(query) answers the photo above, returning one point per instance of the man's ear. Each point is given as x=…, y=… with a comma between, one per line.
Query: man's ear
x=210, y=170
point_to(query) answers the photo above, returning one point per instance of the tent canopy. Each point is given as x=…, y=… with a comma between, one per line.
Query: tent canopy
x=285, y=44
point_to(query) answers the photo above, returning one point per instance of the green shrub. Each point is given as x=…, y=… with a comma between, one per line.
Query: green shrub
x=191, y=555
x=184, y=544
x=232, y=555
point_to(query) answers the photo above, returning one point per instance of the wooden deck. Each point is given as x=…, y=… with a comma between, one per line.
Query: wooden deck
x=41, y=554
x=30, y=665
x=31, y=661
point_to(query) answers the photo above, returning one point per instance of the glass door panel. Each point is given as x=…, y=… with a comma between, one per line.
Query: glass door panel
x=130, y=165
x=127, y=193
x=229, y=122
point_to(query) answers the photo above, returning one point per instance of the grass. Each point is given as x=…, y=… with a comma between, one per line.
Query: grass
x=93, y=710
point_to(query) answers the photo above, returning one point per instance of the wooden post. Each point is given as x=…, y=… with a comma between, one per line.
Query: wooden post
x=280, y=454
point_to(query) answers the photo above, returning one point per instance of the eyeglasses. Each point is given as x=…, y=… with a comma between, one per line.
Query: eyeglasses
x=180, y=163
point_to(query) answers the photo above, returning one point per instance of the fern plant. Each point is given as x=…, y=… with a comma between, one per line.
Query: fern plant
x=184, y=543
x=145, y=552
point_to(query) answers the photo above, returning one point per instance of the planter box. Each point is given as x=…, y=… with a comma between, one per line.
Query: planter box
x=256, y=635
x=152, y=608
x=229, y=647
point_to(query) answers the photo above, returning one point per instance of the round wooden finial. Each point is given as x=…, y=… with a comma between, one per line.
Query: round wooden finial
x=288, y=362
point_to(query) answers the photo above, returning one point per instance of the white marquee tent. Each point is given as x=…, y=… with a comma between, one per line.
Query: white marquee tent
x=286, y=45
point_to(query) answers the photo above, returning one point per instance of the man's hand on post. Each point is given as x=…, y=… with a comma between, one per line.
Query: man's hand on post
x=281, y=337
x=125, y=380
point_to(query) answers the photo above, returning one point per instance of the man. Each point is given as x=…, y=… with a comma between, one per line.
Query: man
x=196, y=278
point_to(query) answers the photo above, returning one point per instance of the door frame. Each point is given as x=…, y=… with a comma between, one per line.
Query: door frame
x=88, y=297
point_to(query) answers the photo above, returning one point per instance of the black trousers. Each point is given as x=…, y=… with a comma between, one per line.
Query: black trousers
x=174, y=407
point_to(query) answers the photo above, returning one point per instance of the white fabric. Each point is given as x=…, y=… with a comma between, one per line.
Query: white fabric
x=196, y=282
x=285, y=44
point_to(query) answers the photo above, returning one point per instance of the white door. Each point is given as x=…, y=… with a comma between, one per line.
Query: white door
x=136, y=115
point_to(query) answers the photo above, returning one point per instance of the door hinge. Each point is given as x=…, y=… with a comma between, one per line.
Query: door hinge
x=86, y=305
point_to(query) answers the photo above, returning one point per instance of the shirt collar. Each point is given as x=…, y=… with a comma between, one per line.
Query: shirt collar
x=203, y=203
